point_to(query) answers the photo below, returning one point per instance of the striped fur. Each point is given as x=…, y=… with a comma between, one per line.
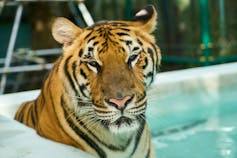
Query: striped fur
x=111, y=59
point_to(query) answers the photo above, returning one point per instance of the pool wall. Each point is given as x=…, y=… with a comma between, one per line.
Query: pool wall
x=172, y=95
x=210, y=79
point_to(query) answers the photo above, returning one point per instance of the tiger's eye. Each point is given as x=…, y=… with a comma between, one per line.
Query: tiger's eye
x=95, y=65
x=131, y=59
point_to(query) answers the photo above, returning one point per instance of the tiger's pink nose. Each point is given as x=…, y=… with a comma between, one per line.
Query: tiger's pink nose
x=120, y=102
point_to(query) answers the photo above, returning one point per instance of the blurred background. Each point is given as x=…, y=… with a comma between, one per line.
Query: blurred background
x=191, y=33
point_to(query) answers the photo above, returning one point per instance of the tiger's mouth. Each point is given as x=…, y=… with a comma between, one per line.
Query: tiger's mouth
x=120, y=119
x=123, y=120
x=123, y=125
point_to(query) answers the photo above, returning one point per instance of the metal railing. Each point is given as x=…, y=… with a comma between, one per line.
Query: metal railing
x=29, y=55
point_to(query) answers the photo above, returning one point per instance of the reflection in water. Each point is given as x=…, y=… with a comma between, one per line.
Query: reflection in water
x=213, y=136
x=225, y=142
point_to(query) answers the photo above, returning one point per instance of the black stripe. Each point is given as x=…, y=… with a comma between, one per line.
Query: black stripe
x=149, y=151
x=89, y=141
x=35, y=109
x=82, y=88
x=151, y=53
x=32, y=114
x=81, y=134
x=135, y=48
x=150, y=74
x=146, y=63
x=123, y=50
x=68, y=76
x=94, y=44
x=122, y=34
x=90, y=49
x=74, y=66
x=138, y=136
x=27, y=116
x=114, y=42
x=98, y=105
x=91, y=38
x=140, y=99
x=42, y=99
x=59, y=123
x=139, y=42
x=137, y=107
x=104, y=112
x=52, y=103
x=155, y=48
x=80, y=53
x=56, y=67
x=111, y=147
x=88, y=34
x=125, y=29
x=83, y=74
x=21, y=113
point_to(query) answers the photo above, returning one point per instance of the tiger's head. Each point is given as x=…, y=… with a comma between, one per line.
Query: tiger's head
x=107, y=68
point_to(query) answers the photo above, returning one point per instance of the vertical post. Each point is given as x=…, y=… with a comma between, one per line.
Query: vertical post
x=85, y=13
x=222, y=18
x=222, y=27
x=128, y=9
x=11, y=45
x=1, y=6
x=205, y=30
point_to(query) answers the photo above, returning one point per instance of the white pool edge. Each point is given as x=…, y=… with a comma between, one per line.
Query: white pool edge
x=194, y=73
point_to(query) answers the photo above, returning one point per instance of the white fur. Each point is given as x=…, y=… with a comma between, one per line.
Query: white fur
x=142, y=12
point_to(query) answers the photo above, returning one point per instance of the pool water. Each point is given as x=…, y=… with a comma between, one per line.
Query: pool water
x=199, y=124
x=191, y=113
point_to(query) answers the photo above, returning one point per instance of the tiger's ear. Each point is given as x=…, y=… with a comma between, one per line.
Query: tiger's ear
x=146, y=18
x=64, y=31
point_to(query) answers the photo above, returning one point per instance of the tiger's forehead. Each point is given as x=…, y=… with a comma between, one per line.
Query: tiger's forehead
x=112, y=38
x=108, y=32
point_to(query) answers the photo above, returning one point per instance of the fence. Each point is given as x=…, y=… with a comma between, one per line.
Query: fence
x=190, y=33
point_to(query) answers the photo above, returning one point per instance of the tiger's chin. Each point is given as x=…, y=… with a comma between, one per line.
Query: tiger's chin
x=123, y=125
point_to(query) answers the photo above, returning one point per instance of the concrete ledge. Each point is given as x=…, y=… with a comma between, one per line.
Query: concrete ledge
x=9, y=103
x=19, y=141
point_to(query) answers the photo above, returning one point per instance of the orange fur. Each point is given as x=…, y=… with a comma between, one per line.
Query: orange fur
x=114, y=59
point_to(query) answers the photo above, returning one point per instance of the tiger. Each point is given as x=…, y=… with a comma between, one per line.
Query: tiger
x=94, y=98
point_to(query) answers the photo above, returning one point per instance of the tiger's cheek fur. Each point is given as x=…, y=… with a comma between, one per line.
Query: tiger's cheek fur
x=96, y=90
